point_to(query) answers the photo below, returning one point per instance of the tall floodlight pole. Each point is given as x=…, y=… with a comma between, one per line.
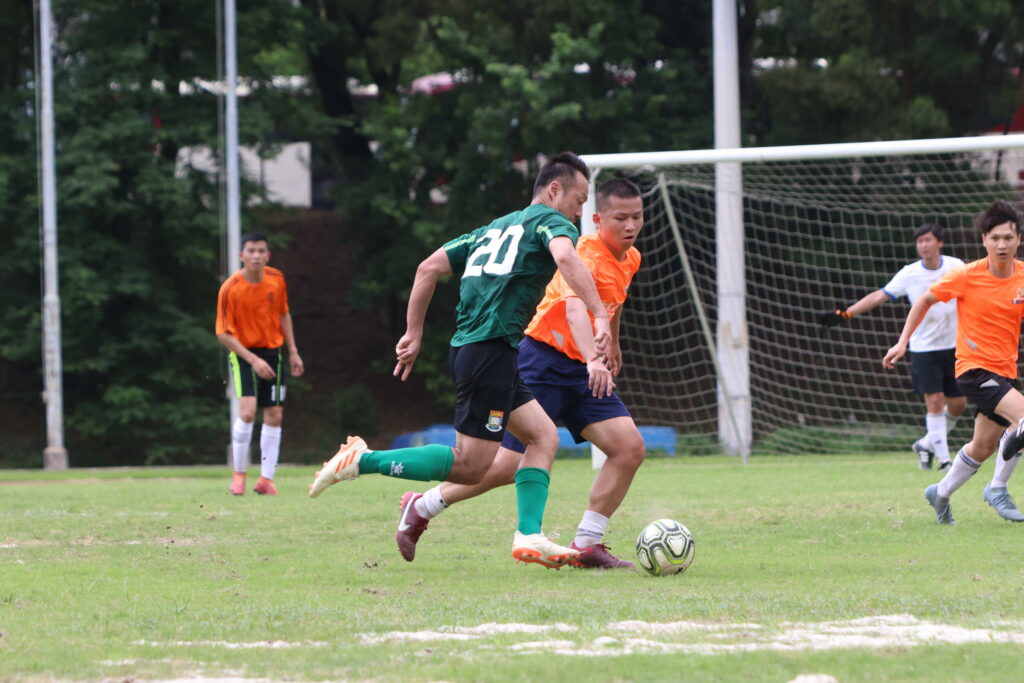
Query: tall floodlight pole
x=234, y=220
x=734, y=414
x=55, y=455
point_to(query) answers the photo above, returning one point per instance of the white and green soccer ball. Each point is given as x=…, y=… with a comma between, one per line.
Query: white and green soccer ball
x=664, y=547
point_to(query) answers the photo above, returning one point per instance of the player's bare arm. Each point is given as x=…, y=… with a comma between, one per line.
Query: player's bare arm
x=615, y=351
x=599, y=375
x=294, y=359
x=914, y=318
x=429, y=271
x=259, y=366
x=582, y=282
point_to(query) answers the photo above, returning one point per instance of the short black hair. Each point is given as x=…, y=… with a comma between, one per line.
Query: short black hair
x=562, y=166
x=1000, y=212
x=253, y=237
x=929, y=228
x=623, y=188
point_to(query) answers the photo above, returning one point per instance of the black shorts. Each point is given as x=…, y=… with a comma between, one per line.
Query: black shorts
x=986, y=389
x=487, y=387
x=933, y=372
x=268, y=392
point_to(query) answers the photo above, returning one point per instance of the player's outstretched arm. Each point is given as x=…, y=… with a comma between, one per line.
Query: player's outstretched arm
x=914, y=318
x=435, y=266
x=834, y=317
x=581, y=281
x=599, y=375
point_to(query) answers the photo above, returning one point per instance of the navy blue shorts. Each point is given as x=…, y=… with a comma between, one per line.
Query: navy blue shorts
x=560, y=386
x=933, y=372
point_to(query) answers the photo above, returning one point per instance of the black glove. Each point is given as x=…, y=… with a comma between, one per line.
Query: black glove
x=833, y=317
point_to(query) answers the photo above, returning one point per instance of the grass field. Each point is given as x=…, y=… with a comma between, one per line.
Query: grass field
x=805, y=565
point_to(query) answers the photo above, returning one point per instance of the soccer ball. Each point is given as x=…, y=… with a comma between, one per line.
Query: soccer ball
x=664, y=547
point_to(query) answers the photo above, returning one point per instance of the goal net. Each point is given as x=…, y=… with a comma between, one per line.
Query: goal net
x=818, y=233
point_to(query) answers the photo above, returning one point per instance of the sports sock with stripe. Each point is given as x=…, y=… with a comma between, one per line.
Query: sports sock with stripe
x=1004, y=470
x=963, y=468
x=531, y=498
x=432, y=462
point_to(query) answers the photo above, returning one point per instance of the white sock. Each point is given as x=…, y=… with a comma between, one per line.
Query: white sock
x=270, y=449
x=936, y=425
x=950, y=425
x=431, y=503
x=1004, y=468
x=241, y=435
x=964, y=467
x=950, y=420
x=591, y=529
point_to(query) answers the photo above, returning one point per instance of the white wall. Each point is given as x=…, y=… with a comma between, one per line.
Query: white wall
x=285, y=178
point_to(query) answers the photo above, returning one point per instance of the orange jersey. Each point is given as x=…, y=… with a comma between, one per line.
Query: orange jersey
x=252, y=312
x=612, y=277
x=989, y=311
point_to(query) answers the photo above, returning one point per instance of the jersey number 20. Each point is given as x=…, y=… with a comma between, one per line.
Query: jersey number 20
x=485, y=258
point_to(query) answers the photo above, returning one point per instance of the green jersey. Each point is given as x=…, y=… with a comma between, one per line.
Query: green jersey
x=505, y=267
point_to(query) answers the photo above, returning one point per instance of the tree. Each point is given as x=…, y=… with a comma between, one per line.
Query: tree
x=139, y=233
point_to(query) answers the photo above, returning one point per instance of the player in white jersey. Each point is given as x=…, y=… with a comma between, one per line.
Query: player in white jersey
x=932, y=346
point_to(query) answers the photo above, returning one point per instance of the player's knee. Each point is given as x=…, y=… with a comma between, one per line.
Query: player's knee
x=467, y=470
x=635, y=450
x=247, y=415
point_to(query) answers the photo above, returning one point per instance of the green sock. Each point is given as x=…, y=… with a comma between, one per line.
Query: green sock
x=531, y=498
x=423, y=463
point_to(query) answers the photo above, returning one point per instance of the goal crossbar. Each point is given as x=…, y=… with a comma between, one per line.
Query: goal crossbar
x=798, y=152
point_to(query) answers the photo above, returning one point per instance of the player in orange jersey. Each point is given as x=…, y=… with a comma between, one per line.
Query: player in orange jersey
x=254, y=323
x=990, y=306
x=572, y=382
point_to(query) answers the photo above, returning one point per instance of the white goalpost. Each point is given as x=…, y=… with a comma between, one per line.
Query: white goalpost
x=720, y=338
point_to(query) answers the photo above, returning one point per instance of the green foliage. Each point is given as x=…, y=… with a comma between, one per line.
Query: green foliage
x=847, y=70
x=138, y=241
x=350, y=410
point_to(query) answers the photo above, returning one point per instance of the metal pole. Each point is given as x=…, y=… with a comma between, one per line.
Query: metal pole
x=733, y=343
x=231, y=162
x=55, y=456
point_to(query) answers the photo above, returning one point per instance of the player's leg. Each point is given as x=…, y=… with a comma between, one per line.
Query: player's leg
x=954, y=399
x=965, y=465
x=534, y=428
x=417, y=509
x=926, y=374
x=485, y=376
x=996, y=492
x=270, y=396
x=935, y=424
x=623, y=445
x=243, y=380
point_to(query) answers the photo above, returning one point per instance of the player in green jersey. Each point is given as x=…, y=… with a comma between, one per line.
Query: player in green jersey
x=504, y=268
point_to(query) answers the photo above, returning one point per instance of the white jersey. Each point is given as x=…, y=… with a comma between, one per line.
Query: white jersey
x=937, y=331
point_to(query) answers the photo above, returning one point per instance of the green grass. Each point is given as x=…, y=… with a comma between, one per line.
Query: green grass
x=141, y=573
